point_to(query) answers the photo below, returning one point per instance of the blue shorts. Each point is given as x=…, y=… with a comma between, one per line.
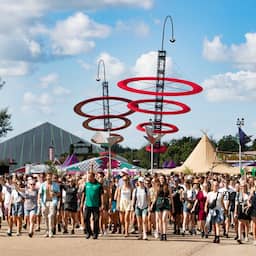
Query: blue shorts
x=30, y=212
x=17, y=209
x=113, y=206
x=141, y=212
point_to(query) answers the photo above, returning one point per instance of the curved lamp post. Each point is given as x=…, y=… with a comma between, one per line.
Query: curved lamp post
x=172, y=40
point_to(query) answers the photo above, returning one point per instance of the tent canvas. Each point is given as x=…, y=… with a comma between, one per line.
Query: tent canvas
x=70, y=160
x=201, y=159
x=99, y=164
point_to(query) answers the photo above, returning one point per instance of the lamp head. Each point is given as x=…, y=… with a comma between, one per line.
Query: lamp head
x=97, y=79
x=172, y=40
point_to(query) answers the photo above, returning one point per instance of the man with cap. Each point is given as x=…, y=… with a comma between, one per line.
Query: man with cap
x=140, y=201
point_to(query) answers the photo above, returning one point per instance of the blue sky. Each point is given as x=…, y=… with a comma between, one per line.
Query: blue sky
x=49, y=52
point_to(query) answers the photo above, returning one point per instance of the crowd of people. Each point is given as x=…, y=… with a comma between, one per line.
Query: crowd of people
x=210, y=205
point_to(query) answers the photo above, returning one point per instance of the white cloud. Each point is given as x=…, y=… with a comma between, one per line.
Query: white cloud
x=74, y=35
x=84, y=64
x=25, y=39
x=214, y=50
x=14, y=68
x=49, y=79
x=33, y=102
x=34, y=48
x=60, y=91
x=147, y=4
x=241, y=55
x=114, y=67
x=238, y=86
x=146, y=65
x=139, y=28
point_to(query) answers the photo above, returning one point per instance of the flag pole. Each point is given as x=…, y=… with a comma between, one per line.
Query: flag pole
x=240, y=123
x=240, y=156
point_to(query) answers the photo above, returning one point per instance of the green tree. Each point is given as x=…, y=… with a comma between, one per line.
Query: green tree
x=179, y=149
x=5, y=122
x=253, y=146
x=228, y=143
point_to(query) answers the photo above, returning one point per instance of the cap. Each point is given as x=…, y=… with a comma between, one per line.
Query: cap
x=125, y=170
x=141, y=179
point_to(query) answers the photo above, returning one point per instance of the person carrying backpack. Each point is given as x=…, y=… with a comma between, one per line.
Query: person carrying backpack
x=140, y=201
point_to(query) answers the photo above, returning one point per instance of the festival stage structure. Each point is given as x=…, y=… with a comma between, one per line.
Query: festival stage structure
x=159, y=87
x=105, y=120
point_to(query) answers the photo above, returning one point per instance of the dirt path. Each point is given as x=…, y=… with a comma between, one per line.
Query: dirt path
x=116, y=245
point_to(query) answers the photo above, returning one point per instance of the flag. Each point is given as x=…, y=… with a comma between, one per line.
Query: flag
x=243, y=138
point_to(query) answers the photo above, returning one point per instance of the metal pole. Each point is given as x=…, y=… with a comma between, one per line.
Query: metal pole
x=109, y=155
x=240, y=156
x=152, y=157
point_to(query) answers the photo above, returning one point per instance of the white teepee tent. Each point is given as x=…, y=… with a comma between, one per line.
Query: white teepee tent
x=201, y=159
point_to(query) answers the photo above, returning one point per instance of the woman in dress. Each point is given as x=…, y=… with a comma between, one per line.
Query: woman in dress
x=242, y=202
x=124, y=202
x=163, y=206
x=200, y=205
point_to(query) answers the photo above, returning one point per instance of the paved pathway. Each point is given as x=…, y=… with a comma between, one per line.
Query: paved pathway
x=76, y=245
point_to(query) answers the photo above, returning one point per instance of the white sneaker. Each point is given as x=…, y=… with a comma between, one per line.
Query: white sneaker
x=50, y=234
x=156, y=235
x=145, y=237
x=105, y=233
x=246, y=239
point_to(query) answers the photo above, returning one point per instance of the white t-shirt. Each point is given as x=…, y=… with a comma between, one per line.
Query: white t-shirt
x=141, y=197
x=212, y=196
x=16, y=196
x=6, y=191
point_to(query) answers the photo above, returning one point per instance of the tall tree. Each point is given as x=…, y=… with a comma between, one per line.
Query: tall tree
x=5, y=122
x=179, y=150
x=228, y=143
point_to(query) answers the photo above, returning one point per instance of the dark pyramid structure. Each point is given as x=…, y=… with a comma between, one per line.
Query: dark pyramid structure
x=33, y=146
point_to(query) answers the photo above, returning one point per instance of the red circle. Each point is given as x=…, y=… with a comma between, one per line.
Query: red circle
x=78, y=106
x=162, y=149
x=86, y=123
x=173, y=129
x=124, y=85
x=134, y=105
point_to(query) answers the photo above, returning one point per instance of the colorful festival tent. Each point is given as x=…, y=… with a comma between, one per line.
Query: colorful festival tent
x=101, y=164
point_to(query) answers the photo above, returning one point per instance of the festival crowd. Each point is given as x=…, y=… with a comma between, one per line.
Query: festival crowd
x=210, y=205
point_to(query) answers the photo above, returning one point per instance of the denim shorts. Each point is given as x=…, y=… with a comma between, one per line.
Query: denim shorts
x=141, y=212
x=17, y=209
x=30, y=212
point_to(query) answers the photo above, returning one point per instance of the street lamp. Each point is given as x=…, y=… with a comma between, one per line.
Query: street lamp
x=104, y=71
x=172, y=40
x=240, y=123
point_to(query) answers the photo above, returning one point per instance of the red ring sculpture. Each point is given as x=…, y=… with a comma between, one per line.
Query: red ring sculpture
x=78, y=107
x=134, y=105
x=173, y=129
x=124, y=85
x=162, y=149
x=86, y=123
